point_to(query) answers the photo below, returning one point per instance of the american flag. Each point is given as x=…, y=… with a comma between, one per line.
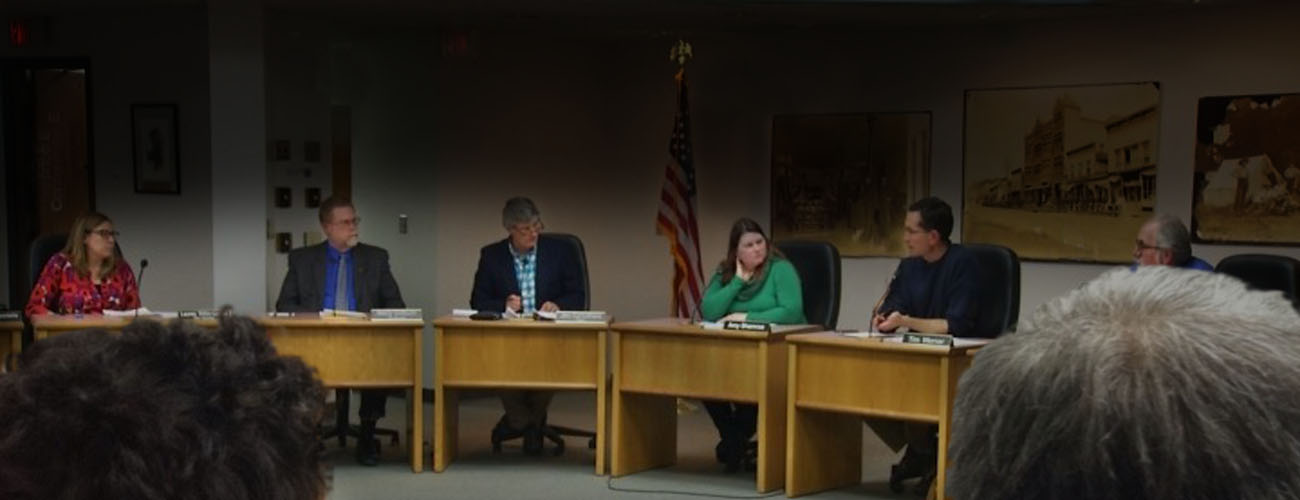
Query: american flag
x=676, y=219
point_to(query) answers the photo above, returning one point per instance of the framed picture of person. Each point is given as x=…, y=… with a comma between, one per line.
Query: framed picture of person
x=1246, y=185
x=155, y=148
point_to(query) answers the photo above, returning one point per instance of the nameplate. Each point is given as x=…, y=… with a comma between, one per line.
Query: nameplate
x=197, y=314
x=581, y=316
x=11, y=316
x=927, y=339
x=747, y=326
x=396, y=314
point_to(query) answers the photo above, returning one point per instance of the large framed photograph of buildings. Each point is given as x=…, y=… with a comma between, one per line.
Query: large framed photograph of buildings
x=848, y=178
x=1061, y=173
x=1247, y=183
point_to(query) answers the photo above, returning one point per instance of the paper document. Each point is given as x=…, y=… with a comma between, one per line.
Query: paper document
x=970, y=341
x=129, y=313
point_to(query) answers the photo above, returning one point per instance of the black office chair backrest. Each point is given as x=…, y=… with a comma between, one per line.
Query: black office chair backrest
x=40, y=252
x=818, y=265
x=576, y=244
x=1265, y=272
x=998, y=281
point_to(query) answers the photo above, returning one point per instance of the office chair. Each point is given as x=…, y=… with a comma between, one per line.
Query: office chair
x=555, y=433
x=342, y=429
x=999, y=289
x=1265, y=272
x=818, y=265
x=40, y=251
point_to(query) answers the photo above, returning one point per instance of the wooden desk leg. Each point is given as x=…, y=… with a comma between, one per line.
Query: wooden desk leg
x=643, y=428
x=645, y=432
x=446, y=416
x=771, y=415
x=417, y=404
x=602, y=391
x=950, y=370
x=823, y=450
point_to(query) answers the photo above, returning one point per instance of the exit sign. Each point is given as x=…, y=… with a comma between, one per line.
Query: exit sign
x=20, y=33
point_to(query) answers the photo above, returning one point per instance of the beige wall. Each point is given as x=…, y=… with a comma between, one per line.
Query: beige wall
x=148, y=55
x=581, y=126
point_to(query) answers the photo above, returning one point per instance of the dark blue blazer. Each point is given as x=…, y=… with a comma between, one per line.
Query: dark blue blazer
x=558, y=277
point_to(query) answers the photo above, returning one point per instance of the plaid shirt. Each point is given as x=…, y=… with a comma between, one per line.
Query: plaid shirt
x=526, y=275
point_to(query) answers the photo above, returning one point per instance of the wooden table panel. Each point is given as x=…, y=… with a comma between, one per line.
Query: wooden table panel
x=871, y=383
x=835, y=380
x=522, y=354
x=508, y=357
x=656, y=361
x=11, y=342
x=350, y=356
x=698, y=367
x=346, y=352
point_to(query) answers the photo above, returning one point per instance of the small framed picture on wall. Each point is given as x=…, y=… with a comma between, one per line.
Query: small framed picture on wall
x=155, y=148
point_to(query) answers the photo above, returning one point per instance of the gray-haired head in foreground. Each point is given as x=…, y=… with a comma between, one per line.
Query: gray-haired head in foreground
x=1162, y=383
x=519, y=210
x=1172, y=234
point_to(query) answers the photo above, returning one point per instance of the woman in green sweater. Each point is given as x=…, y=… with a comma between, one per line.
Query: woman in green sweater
x=754, y=283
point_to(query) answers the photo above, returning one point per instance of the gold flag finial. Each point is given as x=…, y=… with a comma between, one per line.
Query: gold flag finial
x=681, y=52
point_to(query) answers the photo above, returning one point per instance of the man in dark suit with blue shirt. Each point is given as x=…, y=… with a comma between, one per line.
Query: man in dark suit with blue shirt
x=524, y=273
x=344, y=275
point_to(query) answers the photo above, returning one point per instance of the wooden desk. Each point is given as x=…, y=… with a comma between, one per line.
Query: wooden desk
x=656, y=361
x=348, y=353
x=513, y=354
x=11, y=341
x=836, y=380
x=362, y=354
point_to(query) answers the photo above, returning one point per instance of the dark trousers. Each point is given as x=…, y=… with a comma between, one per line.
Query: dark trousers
x=736, y=423
x=373, y=403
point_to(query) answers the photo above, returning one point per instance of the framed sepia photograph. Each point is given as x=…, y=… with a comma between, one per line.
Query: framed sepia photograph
x=1246, y=185
x=155, y=148
x=848, y=178
x=1061, y=173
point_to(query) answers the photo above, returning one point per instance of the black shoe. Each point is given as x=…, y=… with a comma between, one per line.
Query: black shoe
x=533, y=441
x=923, y=486
x=734, y=458
x=501, y=433
x=912, y=465
x=367, y=445
x=720, y=451
x=368, y=454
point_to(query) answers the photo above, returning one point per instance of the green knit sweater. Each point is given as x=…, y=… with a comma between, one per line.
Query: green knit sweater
x=777, y=298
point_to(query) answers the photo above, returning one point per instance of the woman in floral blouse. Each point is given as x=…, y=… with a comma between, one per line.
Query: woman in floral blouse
x=88, y=276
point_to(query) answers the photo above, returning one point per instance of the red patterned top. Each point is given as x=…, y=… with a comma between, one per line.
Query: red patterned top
x=60, y=290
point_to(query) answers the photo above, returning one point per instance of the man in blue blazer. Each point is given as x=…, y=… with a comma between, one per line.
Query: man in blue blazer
x=524, y=273
x=342, y=274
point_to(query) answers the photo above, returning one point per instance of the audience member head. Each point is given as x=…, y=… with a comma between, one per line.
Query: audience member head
x=1162, y=383
x=748, y=247
x=339, y=221
x=1163, y=240
x=92, y=242
x=523, y=221
x=927, y=228
x=160, y=412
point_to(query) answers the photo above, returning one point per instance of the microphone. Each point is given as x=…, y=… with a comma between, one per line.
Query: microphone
x=139, y=278
x=875, y=310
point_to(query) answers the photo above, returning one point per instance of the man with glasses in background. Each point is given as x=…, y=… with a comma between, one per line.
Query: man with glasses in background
x=519, y=275
x=1163, y=240
x=344, y=275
